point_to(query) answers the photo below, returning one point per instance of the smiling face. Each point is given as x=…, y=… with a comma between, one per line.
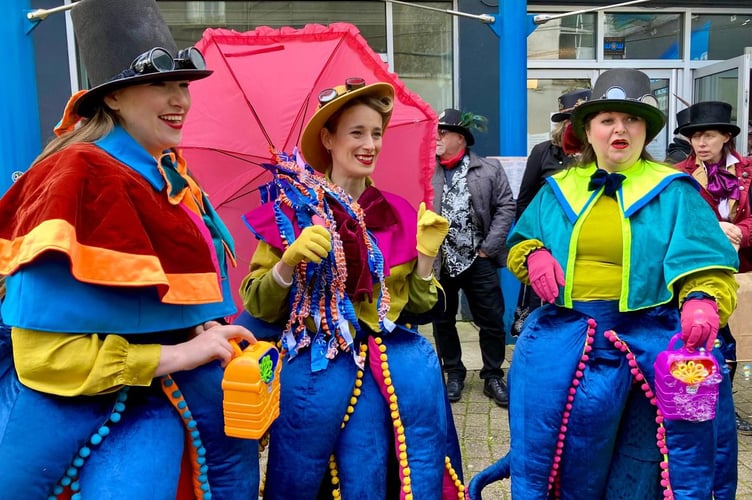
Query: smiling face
x=153, y=113
x=708, y=144
x=354, y=143
x=617, y=139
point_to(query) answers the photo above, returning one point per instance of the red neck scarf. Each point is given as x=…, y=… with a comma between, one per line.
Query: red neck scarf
x=453, y=161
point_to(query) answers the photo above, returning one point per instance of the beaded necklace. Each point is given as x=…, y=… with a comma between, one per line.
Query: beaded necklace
x=318, y=290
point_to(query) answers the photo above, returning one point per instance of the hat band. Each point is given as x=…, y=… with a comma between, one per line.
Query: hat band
x=619, y=94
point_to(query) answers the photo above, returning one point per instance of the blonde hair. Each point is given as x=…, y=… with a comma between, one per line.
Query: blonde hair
x=91, y=130
x=382, y=104
x=557, y=134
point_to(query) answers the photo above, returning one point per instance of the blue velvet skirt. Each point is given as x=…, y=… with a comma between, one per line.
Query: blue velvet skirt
x=609, y=441
x=50, y=442
x=309, y=430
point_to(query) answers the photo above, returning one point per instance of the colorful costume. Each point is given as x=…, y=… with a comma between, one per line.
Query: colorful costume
x=737, y=211
x=363, y=412
x=575, y=378
x=107, y=255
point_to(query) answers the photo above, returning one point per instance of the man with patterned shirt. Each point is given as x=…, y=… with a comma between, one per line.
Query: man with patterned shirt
x=473, y=193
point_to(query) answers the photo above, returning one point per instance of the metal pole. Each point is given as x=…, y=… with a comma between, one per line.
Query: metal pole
x=41, y=14
x=484, y=18
x=544, y=18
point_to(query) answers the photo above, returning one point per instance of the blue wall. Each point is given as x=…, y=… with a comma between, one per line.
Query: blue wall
x=19, y=123
x=479, y=73
x=34, y=94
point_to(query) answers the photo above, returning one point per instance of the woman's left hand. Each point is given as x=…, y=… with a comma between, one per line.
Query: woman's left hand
x=432, y=229
x=699, y=323
x=733, y=233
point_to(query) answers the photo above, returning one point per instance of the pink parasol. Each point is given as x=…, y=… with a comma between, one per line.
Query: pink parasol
x=263, y=91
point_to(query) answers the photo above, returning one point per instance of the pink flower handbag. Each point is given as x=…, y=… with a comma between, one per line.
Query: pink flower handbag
x=686, y=383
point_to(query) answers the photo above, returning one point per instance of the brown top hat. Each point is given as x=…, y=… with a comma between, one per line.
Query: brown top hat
x=626, y=91
x=113, y=34
x=568, y=101
x=709, y=115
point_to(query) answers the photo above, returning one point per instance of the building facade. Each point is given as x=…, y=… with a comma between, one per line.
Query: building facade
x=690, y=50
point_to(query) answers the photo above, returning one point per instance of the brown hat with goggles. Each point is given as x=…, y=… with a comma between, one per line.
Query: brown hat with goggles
x=332, y=100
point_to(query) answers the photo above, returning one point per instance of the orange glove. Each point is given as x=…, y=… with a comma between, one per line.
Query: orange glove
x=312, y=245
x=432, y=229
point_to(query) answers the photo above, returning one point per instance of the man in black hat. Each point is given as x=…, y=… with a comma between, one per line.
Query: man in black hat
x=548, y=157
x=473, y=193
x=680, y=148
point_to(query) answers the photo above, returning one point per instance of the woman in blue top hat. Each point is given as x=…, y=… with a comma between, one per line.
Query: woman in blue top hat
x=116, y=288
x=626, y=254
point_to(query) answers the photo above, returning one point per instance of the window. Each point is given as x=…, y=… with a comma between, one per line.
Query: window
x=642, y=36
x=423, y=52
x=422, y=38
x=718, y=37
x=571, y=37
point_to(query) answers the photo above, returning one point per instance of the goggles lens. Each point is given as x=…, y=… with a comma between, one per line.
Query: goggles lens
x=154, y=61
x=328, y=95
x=616, y=93
x=354, y=83
x=190, y=58
x=158, y=60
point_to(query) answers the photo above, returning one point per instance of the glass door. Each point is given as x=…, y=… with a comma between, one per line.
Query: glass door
x=728, y=81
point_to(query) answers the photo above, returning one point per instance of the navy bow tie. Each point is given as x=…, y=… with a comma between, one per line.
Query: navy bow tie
x=611, y=182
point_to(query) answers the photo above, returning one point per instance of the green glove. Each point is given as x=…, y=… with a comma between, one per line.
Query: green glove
x=312, y=245
x=432, y=229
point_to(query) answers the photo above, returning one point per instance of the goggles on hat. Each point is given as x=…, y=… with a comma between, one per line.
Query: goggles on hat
x=619, y=94
x=158, y=60
x=328, y=95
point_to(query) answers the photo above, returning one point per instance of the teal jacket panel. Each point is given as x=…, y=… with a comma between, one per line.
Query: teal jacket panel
x=669, y=230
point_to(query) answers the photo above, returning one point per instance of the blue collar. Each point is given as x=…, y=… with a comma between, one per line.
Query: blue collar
x=123, y=147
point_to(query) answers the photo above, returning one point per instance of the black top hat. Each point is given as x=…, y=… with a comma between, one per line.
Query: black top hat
x=568, y=101
x=111, y=34
x=454, y=120
x=709, y=115
x=682, y=119
x=623, y=90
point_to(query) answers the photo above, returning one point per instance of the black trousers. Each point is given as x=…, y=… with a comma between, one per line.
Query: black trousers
x=480, y=283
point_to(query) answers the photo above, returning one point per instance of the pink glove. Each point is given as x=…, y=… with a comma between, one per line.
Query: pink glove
x=699, y=323
x=546, y=275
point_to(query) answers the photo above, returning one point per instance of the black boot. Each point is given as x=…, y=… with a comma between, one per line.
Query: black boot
x=495, y=389
x=743, y=426
x=454, y=389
